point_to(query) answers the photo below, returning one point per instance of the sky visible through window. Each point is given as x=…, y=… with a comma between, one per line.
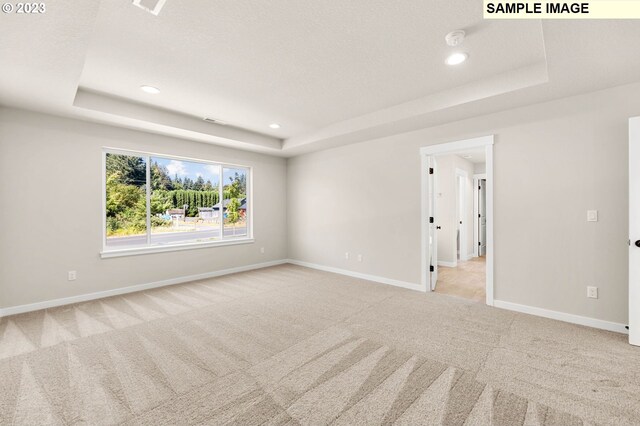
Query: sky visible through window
x=189, y=169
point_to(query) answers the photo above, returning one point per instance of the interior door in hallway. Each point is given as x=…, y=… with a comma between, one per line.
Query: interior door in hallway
x=634, y=231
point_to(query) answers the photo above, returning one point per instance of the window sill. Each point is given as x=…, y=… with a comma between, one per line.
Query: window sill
x=105, y=254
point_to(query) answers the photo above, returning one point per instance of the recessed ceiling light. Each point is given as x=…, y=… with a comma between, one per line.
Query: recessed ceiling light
x=274, y=125
x=150, y=89
x=466, y=156
x=456, y=58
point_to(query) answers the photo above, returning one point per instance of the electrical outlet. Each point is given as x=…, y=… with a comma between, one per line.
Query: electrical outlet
x=592, y=292
x=359, y=258
x=262, y=250
x=346, y=255
x=592, y=215
x=72, y=275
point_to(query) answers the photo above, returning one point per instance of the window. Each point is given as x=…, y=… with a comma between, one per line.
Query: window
x=153, y=203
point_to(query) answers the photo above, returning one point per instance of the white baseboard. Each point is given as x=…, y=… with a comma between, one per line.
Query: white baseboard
x=562, y=316
x=375, y=278
x=465, y=258
x=546, y=313
x=447, y=264
x=12, y=310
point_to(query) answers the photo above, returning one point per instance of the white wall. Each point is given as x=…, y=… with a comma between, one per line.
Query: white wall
x=553, y=162
x=51, y=210
x=479, y=168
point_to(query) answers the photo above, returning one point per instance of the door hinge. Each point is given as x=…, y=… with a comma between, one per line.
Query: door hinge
x=430, y=170
x=431, y=268
x=430, y=219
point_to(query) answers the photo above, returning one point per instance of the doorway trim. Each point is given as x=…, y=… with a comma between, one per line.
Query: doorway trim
x=634, y=231
x=476, y=210
x=450, y=148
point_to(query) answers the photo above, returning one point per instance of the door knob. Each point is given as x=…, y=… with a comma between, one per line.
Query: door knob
x=438, y=227
x=637, y=243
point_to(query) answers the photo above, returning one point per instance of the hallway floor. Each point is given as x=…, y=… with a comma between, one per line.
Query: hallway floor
x=466, y=280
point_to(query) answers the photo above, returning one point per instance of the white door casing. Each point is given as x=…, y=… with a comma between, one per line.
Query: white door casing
x=479, y=214
x=426, y=152
x=482, y=217
x=634, y=231
x=433, y=223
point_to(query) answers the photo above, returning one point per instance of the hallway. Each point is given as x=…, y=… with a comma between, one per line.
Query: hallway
x=467, y=280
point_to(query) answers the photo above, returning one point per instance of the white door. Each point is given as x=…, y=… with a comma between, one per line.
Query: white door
x=482, y=219
x=460, y=238
x=432, y=259
x=634, y=231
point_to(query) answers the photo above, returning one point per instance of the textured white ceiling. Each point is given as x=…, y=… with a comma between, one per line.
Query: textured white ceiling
x=331, y=72
x=41, y=56
x=303, y=64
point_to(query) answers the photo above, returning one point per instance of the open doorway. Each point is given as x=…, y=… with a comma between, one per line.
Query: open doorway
x=457, y=214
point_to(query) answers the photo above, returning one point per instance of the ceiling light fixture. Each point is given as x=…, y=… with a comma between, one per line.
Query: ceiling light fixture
x=150, y=89
x=456, y=58
x=453, y=39
x=274, y=125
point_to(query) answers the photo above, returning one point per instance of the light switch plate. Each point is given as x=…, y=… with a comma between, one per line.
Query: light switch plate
x=592, y=215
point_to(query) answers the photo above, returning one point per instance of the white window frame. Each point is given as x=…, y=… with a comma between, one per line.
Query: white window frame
x=108, y=252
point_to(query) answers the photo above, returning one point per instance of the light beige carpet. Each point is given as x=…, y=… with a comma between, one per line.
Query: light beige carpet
x=289, y=345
